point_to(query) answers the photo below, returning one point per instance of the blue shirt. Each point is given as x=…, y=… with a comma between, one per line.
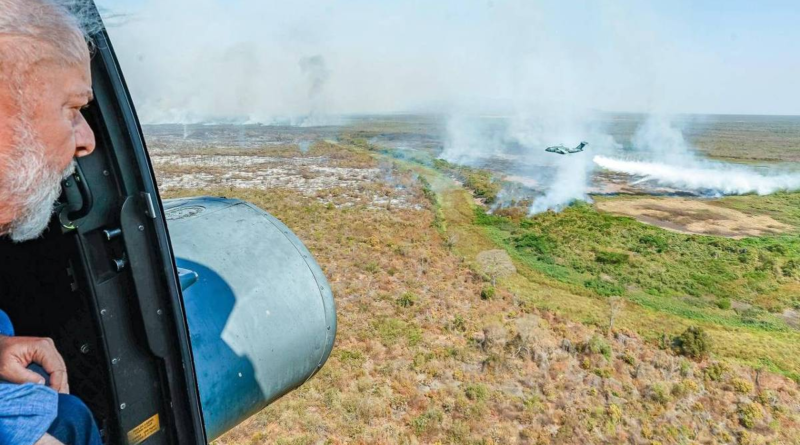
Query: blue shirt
x=26, y=411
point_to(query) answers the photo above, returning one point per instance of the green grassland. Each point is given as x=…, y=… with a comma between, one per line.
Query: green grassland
x=740, y=290
x=614, y=255
x=424, y=355
x=784, y=207
x=573, y=261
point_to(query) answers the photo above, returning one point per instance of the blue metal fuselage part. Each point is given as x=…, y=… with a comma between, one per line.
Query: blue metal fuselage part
x=260, y=312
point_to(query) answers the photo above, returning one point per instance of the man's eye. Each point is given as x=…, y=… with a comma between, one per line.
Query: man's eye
x=75, y=114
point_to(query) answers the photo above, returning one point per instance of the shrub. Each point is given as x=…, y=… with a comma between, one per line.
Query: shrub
x=693, y=342
x=540, y=244
x=427, y=190
x=408, y=299
x=459, y=324
x=715, y=371
x=685, y=368
x=487, y=219
x=749, y=414
x=603, y=372
x=778, y=248
x=611, y=257
x=476, y=392
x=596, y=345
x=427, y=421
x=629, y=358
x=372, y=267
x=790, y=268
x=767, y=397
x=351, y=357
x=414, y=336
x=655, y=242
x=483, y=185
x=750, y=315
x=684, y=387
x=742, y=386
x=496, y=264
x=724, y=303
x=614, y=413
x=604, y=288
x=487, y=293
x=391, y=330
x=658, y=393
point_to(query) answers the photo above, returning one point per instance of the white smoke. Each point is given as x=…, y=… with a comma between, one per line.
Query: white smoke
x=658, y=139
x=705, y=178
x=520, y=142
x=573, y=172
x=469, y=140
x=569, y=185
x=663, y=157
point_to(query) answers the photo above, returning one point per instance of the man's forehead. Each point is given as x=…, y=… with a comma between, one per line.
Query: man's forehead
x=77, y=81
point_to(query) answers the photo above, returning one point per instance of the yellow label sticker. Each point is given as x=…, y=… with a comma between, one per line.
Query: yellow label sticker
x=144, y=430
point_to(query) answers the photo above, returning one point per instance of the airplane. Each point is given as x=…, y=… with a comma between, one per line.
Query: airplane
x=177, y=319
x=562, y=150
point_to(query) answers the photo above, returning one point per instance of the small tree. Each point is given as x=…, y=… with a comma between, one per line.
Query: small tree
x=615, y=306
x=756, y=378
x=693, y=342
x=496, y=264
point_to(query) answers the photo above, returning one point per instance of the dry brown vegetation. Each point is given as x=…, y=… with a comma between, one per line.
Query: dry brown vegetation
x=421, y=357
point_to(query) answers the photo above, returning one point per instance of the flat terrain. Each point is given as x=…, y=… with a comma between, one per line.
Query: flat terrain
x=729, y=137
x=695, y=217
x=573, y=343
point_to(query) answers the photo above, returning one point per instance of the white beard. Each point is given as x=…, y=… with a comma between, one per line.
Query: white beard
x=31, y=185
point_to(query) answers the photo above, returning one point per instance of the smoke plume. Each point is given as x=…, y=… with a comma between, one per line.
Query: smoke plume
x=704, y=178
x=660, y=155
x=517, y=146
x=190, y=61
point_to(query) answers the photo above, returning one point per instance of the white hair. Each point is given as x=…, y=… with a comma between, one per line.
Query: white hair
x=30, y=185
x=37, y=29
x=32, y=31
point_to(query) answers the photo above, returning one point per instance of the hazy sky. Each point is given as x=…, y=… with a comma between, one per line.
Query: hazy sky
x=193, y=60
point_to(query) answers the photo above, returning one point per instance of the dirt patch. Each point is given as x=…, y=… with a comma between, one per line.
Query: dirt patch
x=694, y=216
x=792, y=318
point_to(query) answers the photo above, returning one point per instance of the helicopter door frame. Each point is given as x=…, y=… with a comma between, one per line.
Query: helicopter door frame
x=133, y=214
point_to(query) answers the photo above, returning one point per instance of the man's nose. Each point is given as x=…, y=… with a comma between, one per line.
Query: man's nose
x=84, y=138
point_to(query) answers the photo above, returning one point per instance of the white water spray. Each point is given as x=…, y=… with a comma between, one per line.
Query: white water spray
x=704, y=177
x=666, y=159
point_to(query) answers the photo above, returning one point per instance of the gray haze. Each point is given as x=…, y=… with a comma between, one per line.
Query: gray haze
x=513, y=77
x=191, y=61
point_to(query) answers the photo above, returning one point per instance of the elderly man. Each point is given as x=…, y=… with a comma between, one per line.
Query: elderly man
x=44, y=83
